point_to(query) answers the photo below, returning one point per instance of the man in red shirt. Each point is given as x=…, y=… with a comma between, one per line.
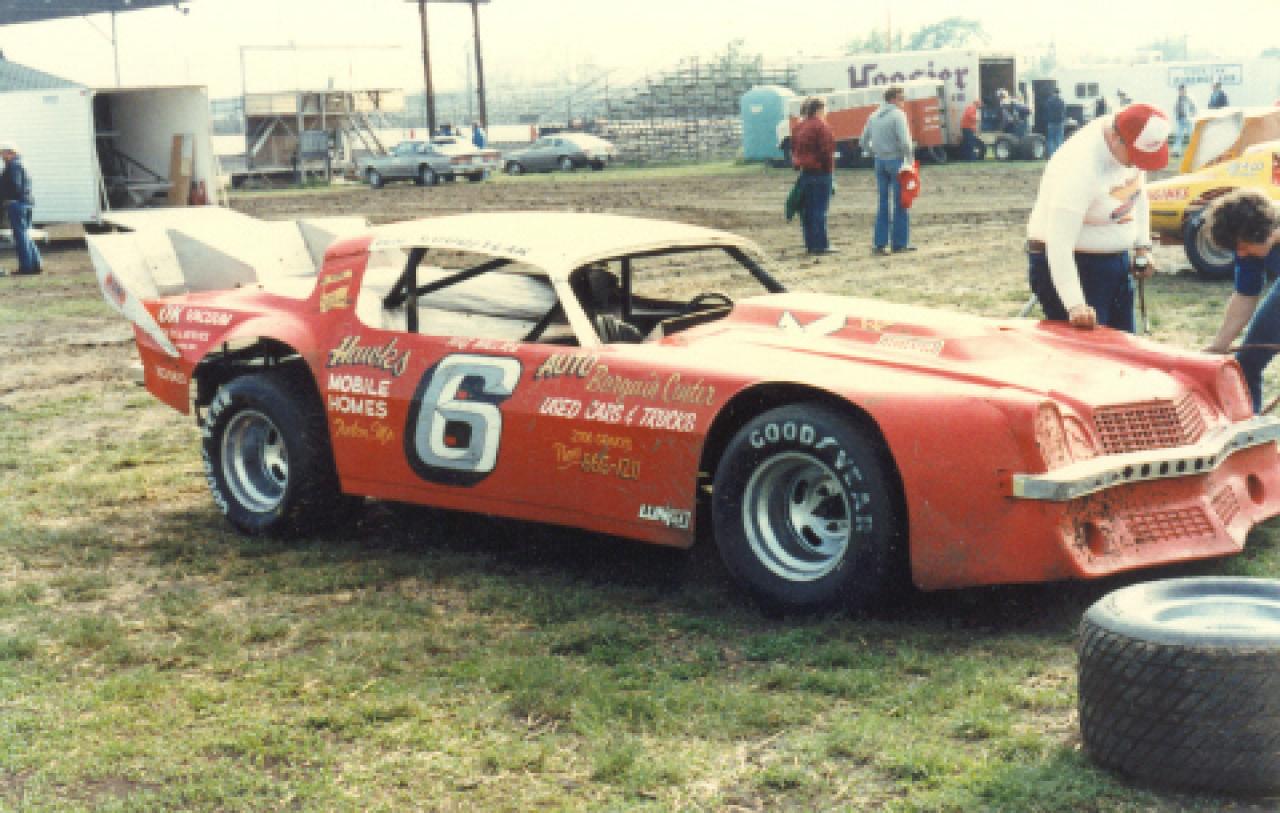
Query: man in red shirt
x=813, y=148
x=969, y=130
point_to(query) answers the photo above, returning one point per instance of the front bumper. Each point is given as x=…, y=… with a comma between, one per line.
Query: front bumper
x=1090, y=476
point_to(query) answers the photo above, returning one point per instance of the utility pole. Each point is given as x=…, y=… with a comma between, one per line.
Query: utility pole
x=475, y=22
x=430, y=97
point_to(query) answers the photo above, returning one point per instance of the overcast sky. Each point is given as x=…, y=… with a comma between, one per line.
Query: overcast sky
x=377, y=42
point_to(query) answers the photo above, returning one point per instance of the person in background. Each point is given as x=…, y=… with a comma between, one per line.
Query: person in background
x=1218, y=98
x=1184, y=112
x=478, y=137
x=1055, y=120
x=813, y=150
x=888, y=138
x=15, y=195
x=1246, y=221
x=1100, y=108
x=1124, y=99
x=969, y=143
x=1090, y=213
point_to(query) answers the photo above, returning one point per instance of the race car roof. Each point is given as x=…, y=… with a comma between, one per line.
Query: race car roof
x=554, y=241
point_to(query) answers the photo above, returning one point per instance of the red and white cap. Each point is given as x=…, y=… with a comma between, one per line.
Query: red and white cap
x=1145, y=133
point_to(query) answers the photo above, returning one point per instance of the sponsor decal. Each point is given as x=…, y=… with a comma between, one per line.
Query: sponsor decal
x=358, y=395
x=387, y=357
x=172, y=376
x=615, y=412
x=674, y=388
x=337, y=299
x=824, y=326
x=113, y=289
x=600, y=455
x=1168, y=194
x=1240, y=169
x=861, y=75
x=671, y=517
x=175, y=314
x=572, y=365
x=913, y=344
x=375, y=432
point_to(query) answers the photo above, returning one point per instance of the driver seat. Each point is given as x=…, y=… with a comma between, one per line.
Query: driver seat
x=598, y=290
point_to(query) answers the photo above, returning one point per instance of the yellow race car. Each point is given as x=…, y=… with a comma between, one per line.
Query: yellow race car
x=1228, y=149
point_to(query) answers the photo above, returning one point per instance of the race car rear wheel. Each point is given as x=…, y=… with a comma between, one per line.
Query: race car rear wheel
x=566, y=163
x=1003, y=149
x=1179, y=683
x=267, y=457
x=805, y=506
x=427, y=176
x=375, y=179
x=1209, y=260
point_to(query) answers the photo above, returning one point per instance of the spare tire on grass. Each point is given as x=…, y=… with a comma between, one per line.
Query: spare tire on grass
x=1180, y=683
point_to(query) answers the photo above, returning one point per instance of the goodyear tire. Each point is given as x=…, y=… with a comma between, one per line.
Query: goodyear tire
x=267, y=457
x=1180, y=683
x=1210, y=261
x=805, y=507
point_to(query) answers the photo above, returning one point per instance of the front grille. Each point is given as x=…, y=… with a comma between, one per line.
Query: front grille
x=1165, y=526
x=1225, y=505
x=1150, y=425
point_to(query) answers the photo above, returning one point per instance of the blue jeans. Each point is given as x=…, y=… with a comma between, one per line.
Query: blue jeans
x=20, y=223
x=1106, y=283
x=890, y=195
x=1264, y=328
x=1053, y=136
x=1182, y=135
x=813, y=217
x=968, y=144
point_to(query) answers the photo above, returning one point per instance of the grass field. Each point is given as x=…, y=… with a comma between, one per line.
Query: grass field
x=151, y=659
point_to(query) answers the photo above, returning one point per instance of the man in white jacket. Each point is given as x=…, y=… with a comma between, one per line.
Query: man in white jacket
x=888, y=138
x=1089, y=232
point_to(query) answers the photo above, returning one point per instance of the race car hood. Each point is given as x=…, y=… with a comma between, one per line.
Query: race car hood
x=1047, y=359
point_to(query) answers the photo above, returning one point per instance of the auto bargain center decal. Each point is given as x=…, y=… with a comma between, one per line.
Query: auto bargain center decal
x=612, y=407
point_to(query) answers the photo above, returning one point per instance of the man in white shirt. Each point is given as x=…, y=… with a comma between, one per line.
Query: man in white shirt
x=1089, y=231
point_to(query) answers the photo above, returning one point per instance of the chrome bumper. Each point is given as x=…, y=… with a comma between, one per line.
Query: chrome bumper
x=1100, y=473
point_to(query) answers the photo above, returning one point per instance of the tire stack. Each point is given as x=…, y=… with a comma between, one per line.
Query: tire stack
x=1179, y=684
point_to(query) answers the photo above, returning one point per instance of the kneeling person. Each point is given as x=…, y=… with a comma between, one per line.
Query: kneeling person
x=1248, y=223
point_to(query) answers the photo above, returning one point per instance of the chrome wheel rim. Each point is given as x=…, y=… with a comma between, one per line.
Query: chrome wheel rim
x=255, y=462
x=1211, y=252
x=797, y=517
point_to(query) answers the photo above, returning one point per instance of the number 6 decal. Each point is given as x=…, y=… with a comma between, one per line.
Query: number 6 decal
x=455, y=423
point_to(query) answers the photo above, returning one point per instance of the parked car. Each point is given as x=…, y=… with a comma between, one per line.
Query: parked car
x=546, y=367
x=563, y=151
x=428, y=162
x=1228, y=149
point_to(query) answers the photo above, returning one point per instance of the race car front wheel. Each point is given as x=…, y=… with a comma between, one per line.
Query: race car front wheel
x=805, y=504
x=1209, y=260
x=267, y=456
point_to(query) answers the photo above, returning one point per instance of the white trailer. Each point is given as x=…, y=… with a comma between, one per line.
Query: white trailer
x=965, y=75
x=91, y=150
x=1248, y=83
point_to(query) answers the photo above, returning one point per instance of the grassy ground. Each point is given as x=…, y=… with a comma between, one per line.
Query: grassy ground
x=150, y=659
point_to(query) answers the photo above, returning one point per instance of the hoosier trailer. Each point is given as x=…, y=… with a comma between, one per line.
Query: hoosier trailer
x=849, y=110
x=964, y=75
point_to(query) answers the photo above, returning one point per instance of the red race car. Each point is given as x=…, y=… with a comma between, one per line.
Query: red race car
x=624, y=375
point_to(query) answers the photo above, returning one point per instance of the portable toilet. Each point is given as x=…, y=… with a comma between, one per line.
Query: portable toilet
x=762, y=108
